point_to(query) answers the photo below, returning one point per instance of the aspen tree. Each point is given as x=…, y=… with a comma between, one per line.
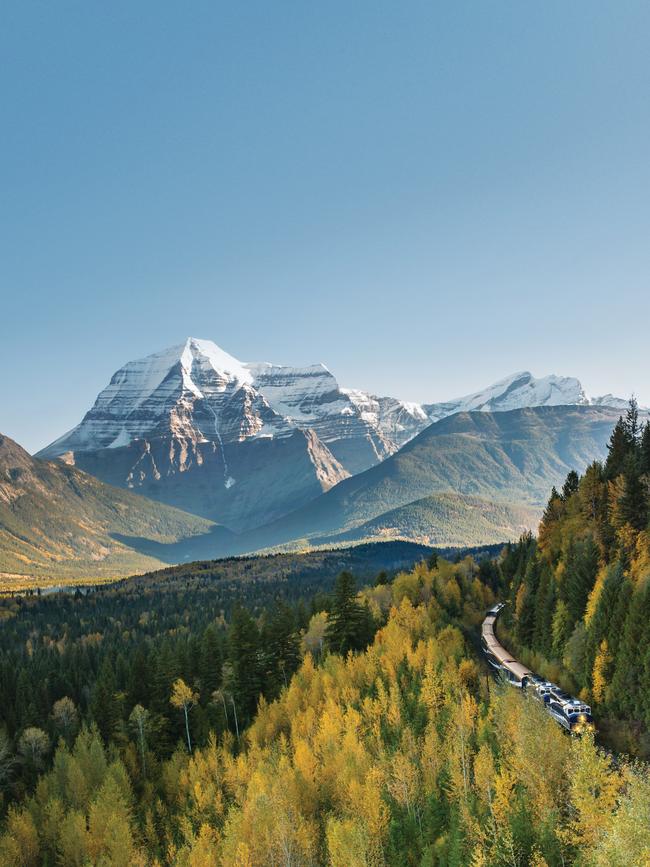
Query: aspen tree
x=183, y=698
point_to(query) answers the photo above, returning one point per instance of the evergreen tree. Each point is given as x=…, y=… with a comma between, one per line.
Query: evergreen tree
x=582, y=563
x=210, y=663
x=347, y=625
x=619, y=615
x=619, y=447
x=599, y=625
x=527, y=604
x=104, y=705
x=628, y=662
x=633, y=504
x=282, y=643
x=570, y=486
x=644, y=463
x=546, y=599
x=245, y=655
x=631, y=422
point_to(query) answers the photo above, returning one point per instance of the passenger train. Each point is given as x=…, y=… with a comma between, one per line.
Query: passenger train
x=571, y=713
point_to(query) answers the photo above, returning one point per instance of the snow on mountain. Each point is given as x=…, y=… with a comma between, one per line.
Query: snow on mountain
x=397, y=420
x=239, y=442
x=514, y=392
x=310, y=397
x=611, y=400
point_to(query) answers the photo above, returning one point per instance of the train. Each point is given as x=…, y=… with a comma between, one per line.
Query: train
x=569, y=712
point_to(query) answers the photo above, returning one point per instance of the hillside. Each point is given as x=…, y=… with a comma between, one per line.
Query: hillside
x=580, y=594
x=508, y=457
x=305, y=572
x=452, y=520
x=59, y=524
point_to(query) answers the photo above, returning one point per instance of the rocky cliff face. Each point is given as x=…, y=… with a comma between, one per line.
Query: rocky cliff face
x=188, y=426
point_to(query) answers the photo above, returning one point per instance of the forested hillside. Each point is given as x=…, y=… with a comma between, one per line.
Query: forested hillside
x=359, y=730
x=581, y=593
x=59, y=525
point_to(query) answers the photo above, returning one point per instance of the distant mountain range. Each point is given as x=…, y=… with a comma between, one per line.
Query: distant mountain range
x=243, y=444
x=485, y=473
x=244, y=457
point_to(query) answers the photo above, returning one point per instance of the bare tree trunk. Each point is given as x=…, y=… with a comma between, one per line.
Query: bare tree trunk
x=235, y=712
x=187, y=729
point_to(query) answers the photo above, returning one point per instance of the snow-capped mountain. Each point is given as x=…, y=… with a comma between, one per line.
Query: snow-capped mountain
x=515, y=392
x=187, y=426
x=242, y=443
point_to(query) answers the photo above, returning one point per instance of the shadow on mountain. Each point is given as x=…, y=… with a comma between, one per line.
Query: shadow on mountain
x=219, y=542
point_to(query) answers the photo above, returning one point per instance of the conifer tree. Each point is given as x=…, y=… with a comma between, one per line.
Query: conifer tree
x=644, y=464
x=246, y=658
x=626, y=680
x=282, y=643
x=631, y=422
x=104, y=705
x=618, y=449
x=582, y=563
x=347, y=625
x=570, y=486
x=633, y=504
x=210, y=662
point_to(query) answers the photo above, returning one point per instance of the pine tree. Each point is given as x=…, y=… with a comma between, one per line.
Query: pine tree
x=282, y=643
x=527, y=604
x=246, y=658
x=582, y=563
x=347, y=625
x=618, y=448
x=104, y=705
x=210, y=663
x=633, y=505
x=543, y=637
x=626, y=680
x=644, y=463
x=570, y=486
x=599, y=624
x=631, y=422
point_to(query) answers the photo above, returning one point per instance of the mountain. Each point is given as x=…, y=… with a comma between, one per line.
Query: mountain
x=187, y=426
x=450, y=520
x=514, y=392
x=510, y=458
x=56, y=522
x=246, y=443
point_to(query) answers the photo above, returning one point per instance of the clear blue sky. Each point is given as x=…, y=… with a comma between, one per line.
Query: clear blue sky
x=425, y=196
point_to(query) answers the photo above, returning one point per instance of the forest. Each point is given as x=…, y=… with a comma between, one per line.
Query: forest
x=349, y=722
x=580, y=595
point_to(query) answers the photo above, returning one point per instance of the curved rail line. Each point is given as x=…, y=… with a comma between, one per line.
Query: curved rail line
x=571, y=713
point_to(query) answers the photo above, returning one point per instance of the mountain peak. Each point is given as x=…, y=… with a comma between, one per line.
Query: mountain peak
x=220, y=360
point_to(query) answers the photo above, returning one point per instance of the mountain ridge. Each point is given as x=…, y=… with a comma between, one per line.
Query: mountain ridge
x=243, y=443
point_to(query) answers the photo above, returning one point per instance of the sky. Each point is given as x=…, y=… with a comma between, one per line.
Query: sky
x=424, y=196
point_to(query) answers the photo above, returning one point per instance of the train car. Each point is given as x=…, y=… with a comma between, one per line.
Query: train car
x=498, y=657
x=544, y=690
x=571, y=713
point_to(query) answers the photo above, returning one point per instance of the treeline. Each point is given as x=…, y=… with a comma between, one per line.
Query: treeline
x=580, y=594
x=400, y=754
